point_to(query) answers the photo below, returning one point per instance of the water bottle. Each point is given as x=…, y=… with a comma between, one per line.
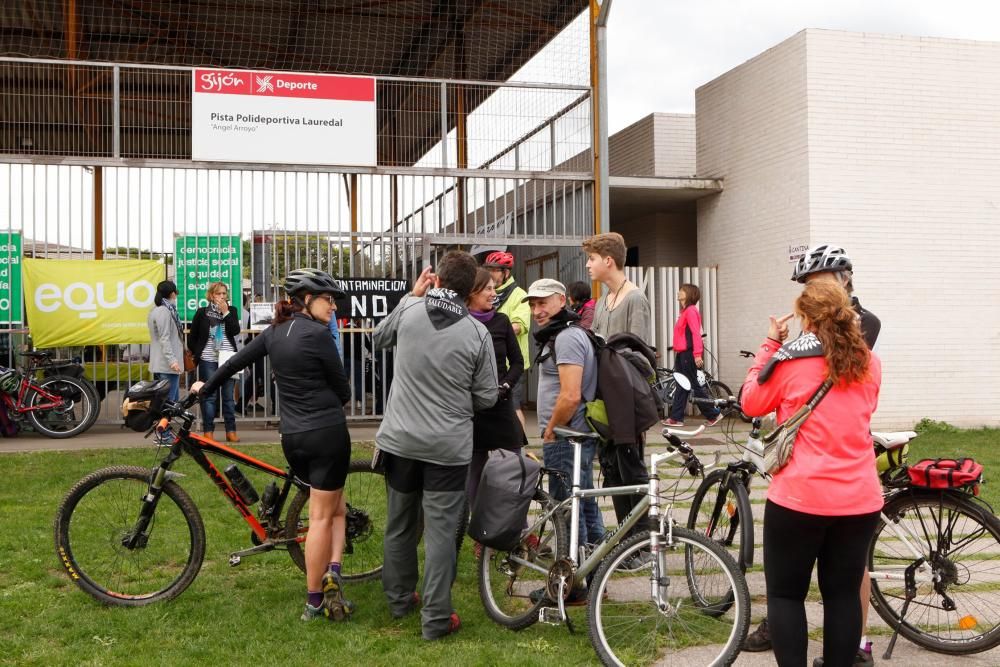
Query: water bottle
x=267, y=500
x=242, y=484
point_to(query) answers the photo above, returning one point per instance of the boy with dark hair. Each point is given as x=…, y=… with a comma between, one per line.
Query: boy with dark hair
x=445, y=370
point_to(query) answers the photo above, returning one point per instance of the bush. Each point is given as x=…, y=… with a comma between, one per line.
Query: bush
x=928, y=425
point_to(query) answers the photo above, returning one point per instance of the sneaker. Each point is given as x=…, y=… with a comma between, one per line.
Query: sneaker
x=477, y=550
x=454, y=624
x=637, y=561
x=712, y=422
x=312, y=612
x=337, y=607
x=413, y=604
x=863, y=658
x=759, y=640
x=673, y=423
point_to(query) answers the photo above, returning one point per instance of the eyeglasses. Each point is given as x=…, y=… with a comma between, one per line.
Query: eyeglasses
x=326, y=297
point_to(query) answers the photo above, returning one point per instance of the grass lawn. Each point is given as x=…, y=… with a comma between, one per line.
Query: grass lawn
x=249, y=614
x=243, y=615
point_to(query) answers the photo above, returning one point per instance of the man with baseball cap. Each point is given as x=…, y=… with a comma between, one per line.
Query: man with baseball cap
x=567, y=378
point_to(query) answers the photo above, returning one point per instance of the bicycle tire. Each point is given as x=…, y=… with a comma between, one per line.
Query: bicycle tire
x=506, y=588
x=365, y=491
x=743, y=416
x=628, y=628
x=85, y=383
x=99, y=510
x=733, y=526
x=717, y=389
x=928, y=623
x=77, y=416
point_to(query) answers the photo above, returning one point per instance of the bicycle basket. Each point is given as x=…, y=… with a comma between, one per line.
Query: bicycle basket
x=143, y=403
x=9, y=380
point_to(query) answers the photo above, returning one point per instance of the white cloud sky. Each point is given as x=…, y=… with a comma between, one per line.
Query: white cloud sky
x=659, y=51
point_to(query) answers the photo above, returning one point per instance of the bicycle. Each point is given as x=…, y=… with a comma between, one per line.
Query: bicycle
x=668, y=603
x=131, y=536
x=60, y=404
x=929, y=545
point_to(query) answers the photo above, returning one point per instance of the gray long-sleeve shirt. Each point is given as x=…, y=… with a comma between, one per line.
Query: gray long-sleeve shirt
x=441, y=376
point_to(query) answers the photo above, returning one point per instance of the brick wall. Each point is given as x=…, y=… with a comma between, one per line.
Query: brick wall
x=674, y=139
x=751, y=132
x=889, y=146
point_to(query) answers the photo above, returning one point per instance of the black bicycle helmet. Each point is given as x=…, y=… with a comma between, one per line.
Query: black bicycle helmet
x=313, y=281
x=821, y=258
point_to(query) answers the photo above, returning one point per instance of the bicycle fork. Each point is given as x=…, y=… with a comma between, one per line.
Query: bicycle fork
x=138, y=537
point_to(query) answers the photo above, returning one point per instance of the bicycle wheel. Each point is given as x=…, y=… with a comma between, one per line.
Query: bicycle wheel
x=958, y=612
x=512, y=583
x=365, y=492
x=721, y=511
x=76, y=414
x=89, y=386
x=628, y=627
x=100, y=510
x=743, y=416
x=718, y=389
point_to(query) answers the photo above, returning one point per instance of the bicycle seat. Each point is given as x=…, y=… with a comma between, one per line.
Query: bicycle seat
x=570, y=434
x=893, y=439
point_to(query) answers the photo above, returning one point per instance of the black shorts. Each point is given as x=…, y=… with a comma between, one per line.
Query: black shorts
x=320, y=457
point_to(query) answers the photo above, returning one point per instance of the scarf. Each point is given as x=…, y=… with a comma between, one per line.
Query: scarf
x=483, y=317
x=548, y=333
x=444, y=307
x=172, y=308
x=215, y=319
x=806, y=345
x=503, y=293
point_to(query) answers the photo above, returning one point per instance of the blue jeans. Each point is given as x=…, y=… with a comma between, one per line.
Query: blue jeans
x=175, y=384
x=206, y=369
x=558, y=455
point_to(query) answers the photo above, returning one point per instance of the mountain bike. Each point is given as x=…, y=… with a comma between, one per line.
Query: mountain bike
x=934, y=560
x=59, y=404
x=665, y=591
x=131, y=536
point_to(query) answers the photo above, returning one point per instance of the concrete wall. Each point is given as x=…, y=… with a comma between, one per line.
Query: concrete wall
x=887, y=145
x=674, y=144
x=664, y=238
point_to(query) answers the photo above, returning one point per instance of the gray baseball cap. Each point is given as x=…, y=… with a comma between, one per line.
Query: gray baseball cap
x=544, y=287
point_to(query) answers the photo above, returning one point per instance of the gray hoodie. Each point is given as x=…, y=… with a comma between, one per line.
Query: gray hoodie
x=445, y=370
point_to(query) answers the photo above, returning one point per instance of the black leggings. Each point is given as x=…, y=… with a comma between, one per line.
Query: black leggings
x=793, y=542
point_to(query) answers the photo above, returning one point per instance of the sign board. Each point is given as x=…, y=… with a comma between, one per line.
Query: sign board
x=11, y=303
x=88, y=301
x=202, y=260
x=371, y=297
x=283, y=117
x=261, y=314
x=497, y=230
x=796, y=252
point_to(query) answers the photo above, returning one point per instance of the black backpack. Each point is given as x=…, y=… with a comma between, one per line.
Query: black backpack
x=626, y=405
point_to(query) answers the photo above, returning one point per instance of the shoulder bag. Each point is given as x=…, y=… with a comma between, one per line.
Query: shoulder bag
x=778, y=443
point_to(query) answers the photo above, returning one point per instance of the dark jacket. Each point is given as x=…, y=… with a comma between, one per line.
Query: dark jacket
x=870, y=324
x=312, y=385
x=627, y=395
x=201, y=330
x=498, y=427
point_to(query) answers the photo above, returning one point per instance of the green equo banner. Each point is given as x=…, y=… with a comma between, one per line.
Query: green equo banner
x=200, y=261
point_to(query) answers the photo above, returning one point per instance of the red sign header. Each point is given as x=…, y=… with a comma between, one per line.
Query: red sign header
x=285, y=84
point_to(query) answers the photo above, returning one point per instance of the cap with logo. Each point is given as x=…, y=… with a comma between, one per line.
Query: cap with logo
x=544, y=287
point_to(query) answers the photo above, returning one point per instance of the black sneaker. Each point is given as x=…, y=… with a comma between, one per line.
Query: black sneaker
x=759, y=640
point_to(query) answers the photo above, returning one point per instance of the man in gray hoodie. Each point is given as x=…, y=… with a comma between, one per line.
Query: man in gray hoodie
x=445, y=370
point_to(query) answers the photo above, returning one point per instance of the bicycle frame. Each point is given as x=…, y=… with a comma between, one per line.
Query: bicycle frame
x=18, y=404
x=196, y=446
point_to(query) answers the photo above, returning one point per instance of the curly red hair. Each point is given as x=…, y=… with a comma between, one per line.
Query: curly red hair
x=826, y=309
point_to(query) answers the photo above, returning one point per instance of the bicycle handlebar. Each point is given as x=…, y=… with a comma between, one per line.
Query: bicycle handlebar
x=720, y=403
x=747, y=354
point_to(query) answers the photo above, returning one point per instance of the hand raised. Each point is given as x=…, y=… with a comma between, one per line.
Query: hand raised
x=778, y=327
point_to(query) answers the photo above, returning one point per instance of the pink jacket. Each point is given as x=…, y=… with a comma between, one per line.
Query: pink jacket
x=690, y=317
x=832, y=469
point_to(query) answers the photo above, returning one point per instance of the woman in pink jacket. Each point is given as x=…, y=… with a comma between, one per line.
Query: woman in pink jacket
x=823, y=506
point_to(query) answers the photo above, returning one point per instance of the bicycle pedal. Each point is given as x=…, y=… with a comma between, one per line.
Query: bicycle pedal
x=234, y=560
x=550, y=616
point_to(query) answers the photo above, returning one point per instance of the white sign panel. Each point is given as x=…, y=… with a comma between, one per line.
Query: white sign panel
x=261, y=314
x=796, y=251
x=283, y=117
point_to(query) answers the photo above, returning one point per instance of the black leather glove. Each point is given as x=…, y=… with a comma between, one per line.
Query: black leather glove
x=503, y=392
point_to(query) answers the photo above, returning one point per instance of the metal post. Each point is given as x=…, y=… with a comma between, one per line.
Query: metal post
x=116, y=112
x=98, y=212
x=444, y=125
x=599, y=87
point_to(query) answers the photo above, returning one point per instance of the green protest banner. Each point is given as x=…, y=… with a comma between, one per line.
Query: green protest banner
x=202, y=260
x=11, y=303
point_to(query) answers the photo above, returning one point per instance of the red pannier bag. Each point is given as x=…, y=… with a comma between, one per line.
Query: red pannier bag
x=947, y=474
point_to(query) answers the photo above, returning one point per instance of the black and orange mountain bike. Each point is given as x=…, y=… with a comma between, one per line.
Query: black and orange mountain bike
x=131, y=536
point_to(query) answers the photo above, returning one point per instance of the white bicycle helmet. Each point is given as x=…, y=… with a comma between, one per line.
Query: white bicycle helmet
x=819, y=258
